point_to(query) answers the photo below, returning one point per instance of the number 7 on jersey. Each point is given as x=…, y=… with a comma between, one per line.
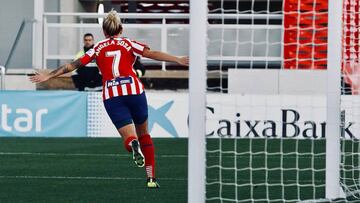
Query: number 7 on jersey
x=116, y=61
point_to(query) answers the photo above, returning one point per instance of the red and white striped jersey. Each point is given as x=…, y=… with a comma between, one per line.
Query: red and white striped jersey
x=115, y=58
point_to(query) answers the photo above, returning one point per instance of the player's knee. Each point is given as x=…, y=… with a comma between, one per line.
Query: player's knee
x=127, y=130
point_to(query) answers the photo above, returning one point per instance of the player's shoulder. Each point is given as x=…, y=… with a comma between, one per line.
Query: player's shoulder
x=133, y=43
x=101, y=42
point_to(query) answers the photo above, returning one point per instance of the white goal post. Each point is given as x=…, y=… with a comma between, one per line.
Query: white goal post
x=197, y=88
x=333, y=109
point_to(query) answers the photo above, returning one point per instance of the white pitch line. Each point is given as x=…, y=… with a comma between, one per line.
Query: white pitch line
x=128, y=155
x=84, y=178
x=215, y=181
x=82, y=154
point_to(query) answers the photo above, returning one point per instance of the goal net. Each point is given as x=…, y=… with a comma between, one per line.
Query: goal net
x=350, y=146
x=267, y=102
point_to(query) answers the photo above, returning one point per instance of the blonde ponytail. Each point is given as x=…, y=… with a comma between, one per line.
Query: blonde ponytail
x=112, y=24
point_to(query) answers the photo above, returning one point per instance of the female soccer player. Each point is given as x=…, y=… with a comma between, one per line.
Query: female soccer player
x=123, y=93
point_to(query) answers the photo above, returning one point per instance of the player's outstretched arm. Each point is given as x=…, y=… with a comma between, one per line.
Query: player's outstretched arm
x=161, y=56
x=42, y=77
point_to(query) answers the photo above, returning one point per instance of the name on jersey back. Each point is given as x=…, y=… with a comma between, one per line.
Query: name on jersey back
x=112, y=42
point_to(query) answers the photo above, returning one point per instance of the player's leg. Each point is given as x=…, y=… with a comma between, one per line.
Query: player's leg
x=147, y=146
x=128, y=134
x=120, y=115
x=139, y=111
x=131, y=143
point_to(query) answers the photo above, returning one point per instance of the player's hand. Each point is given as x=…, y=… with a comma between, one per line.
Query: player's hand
x=39, y=77
x=183, y=61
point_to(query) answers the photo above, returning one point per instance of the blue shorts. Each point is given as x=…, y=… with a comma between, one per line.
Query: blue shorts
x=124, y=110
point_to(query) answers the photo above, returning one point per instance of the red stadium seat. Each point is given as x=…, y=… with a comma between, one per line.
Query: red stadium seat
x=305, y=35
x=305, y=52
x=290, y=64
x=320, y=36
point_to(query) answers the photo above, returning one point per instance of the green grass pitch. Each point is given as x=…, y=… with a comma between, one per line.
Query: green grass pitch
x=99, y=170
x=87, y=170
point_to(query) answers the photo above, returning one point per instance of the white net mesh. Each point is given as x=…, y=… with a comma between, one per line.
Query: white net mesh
x=267, y=98
x=350, y=169
x=350, y=159
x=252, y=157
x=242, y=34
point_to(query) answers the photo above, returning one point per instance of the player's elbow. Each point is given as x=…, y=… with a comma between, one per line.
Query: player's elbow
x=147, y=53
x=150, y=54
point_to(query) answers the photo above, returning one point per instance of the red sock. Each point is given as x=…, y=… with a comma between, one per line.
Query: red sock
x=127, y=143
x=147, y=147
